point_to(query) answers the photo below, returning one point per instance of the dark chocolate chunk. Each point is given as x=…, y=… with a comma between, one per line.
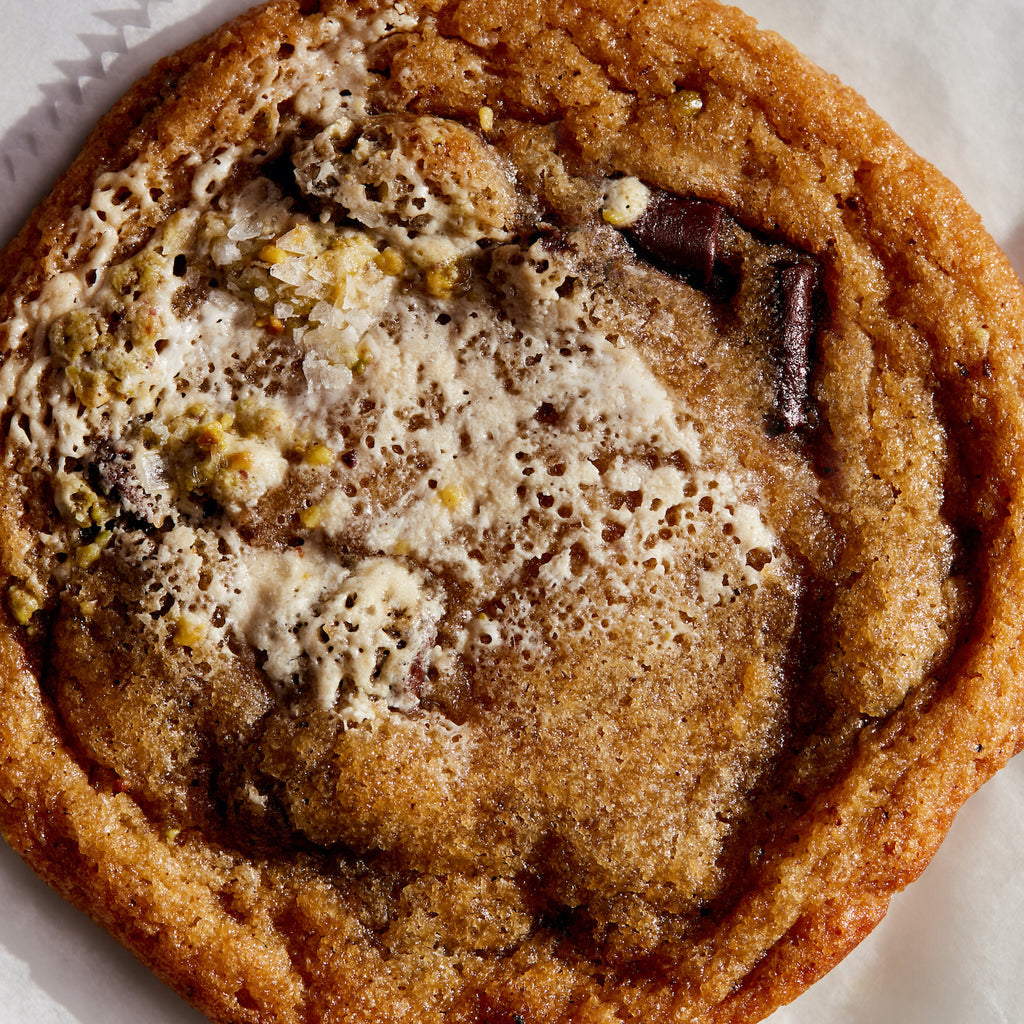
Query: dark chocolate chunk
x=695, y=239
x=797, y=283
x=680, y=234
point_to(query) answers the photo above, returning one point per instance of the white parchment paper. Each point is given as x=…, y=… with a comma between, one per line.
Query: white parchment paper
x=950, y=77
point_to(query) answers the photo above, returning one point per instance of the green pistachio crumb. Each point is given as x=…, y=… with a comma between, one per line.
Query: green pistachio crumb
x=688, y=103
x=23, y=603
x=88, y=554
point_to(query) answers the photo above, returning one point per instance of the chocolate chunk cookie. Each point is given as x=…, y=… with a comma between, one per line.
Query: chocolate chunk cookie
x=503, y=520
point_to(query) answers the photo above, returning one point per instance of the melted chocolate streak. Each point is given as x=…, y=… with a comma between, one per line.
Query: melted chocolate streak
x=682, y=236
x=796, y=286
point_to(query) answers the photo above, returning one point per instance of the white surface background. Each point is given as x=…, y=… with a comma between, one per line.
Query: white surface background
x=948, y=75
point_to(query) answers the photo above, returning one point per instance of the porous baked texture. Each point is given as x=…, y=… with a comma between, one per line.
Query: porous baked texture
x=429, y=595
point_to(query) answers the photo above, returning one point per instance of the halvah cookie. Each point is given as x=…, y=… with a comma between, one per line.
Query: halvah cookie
x=503, y=521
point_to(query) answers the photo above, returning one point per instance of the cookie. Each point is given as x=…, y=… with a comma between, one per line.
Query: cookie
x=499, y=525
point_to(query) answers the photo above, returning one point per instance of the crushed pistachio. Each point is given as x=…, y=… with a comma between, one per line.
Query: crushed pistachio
x=444, y=280
x=318, y=455
x=451, y=496
x=235, y=457
x=78, y=504
x=88, y=554
x=23, y=603
x=687, y=103
x=390, y=262
x=360, y=364
x=212, y=437
x=311, y=517
x=270, y=253
x=217, y=460
x=106, y=353
x=138, y=275
x=77, y=341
